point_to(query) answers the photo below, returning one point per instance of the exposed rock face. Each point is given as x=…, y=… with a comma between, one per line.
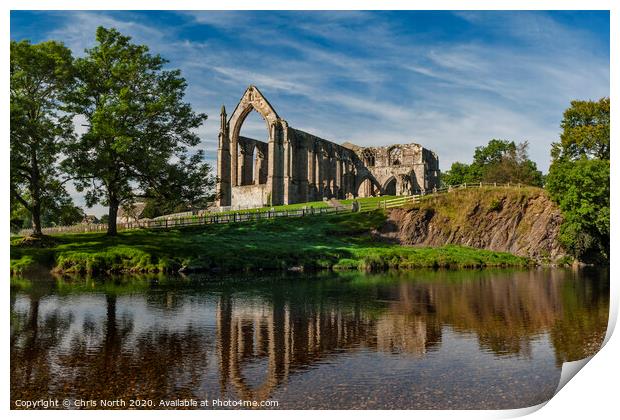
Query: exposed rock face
x=522, y=221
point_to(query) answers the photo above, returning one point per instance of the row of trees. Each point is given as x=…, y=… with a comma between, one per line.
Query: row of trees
x=578, y=179
x=498, y=161
x=135, y=129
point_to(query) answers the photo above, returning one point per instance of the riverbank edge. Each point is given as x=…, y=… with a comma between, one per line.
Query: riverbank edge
x=395, y=257
x=335, y=242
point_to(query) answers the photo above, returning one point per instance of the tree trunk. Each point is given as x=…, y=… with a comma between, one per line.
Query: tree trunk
x=112, y=213
x=35, y=191
x=36, y=218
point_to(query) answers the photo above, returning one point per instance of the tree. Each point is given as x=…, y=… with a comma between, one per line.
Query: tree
x=41, y=77
x=585, y=131
x=190, y=186
x=493, y=152
x=578, y=179
x=459, y=173
x=498, y=161
x=512, y=165
x=138, y=127
x=57, y=209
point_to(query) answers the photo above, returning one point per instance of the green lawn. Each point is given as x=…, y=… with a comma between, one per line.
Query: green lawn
x=311, y=204
x=341, y=241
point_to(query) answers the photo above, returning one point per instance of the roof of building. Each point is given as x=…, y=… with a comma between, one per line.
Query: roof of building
x=135, y=210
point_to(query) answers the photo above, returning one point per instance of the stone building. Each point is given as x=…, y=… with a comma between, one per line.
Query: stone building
x=295, y=167
x=131, y=213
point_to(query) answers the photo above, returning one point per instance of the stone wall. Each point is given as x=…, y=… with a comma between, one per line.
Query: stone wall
x=296, y=167
x=250, y=196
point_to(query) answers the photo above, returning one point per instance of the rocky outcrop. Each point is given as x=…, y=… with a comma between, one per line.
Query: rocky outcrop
x=523, y=221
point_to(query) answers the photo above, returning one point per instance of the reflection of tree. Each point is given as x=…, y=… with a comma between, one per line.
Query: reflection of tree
x=506, y=313
x=579, y=333
x=32, y=339
x=264, y=334
x=158, y=363
x=104, y=360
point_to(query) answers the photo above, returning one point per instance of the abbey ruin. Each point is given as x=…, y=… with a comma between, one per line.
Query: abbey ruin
x=293, y=166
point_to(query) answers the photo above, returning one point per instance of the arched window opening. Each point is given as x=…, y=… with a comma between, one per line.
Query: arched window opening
x=367, y=189
x=395, y=156
x=368, y=157
x=390, y=187
x=251, y=151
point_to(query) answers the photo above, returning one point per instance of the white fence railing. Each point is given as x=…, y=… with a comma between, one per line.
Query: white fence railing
x=195, y=220
x=415, y=198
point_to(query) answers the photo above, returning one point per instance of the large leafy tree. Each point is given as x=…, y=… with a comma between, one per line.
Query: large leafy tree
x=41, y=77
x=578, y=179
x=138, y=127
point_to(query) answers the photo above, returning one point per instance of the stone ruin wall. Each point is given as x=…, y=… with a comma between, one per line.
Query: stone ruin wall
x=295, y=167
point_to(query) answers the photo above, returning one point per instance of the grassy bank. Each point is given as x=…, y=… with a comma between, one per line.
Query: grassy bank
x=338, y=242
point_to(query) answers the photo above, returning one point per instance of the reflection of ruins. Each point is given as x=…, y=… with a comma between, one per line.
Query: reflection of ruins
x=293, y=166
x=247, y=343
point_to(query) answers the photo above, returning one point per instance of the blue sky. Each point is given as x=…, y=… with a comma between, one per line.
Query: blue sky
x=448, y=80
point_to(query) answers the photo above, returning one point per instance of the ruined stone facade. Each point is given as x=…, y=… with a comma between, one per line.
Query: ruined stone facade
x=295, y=167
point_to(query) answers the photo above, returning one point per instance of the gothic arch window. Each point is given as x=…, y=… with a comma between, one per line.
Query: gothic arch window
x=395, y=156
x=368, y=157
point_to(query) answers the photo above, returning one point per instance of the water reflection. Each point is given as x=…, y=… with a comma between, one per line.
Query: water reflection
x=460, y=339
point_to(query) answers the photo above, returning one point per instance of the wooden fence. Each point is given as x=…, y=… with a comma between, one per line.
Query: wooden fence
x=420, y=195
x=261, y=214
x=389, y=203
x=195, y=220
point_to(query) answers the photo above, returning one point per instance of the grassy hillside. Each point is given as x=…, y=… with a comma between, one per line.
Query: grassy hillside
x=342, y=241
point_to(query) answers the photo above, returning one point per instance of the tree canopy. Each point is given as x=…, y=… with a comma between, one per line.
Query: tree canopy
x=138, y=128
x=585, y=131
x=578, y=179
x=41, y=78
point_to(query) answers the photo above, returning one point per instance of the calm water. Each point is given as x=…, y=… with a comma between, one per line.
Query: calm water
x=446, y=339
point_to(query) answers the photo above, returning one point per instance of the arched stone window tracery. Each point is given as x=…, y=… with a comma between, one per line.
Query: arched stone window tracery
x=395, y=156
x=369, y=157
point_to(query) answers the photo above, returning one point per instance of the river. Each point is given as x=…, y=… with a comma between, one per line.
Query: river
x=467, y=339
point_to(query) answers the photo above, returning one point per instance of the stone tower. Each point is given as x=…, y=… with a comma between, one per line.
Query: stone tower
x=223, y=163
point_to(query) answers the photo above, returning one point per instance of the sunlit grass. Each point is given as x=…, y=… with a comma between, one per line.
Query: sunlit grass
x=341, y=241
